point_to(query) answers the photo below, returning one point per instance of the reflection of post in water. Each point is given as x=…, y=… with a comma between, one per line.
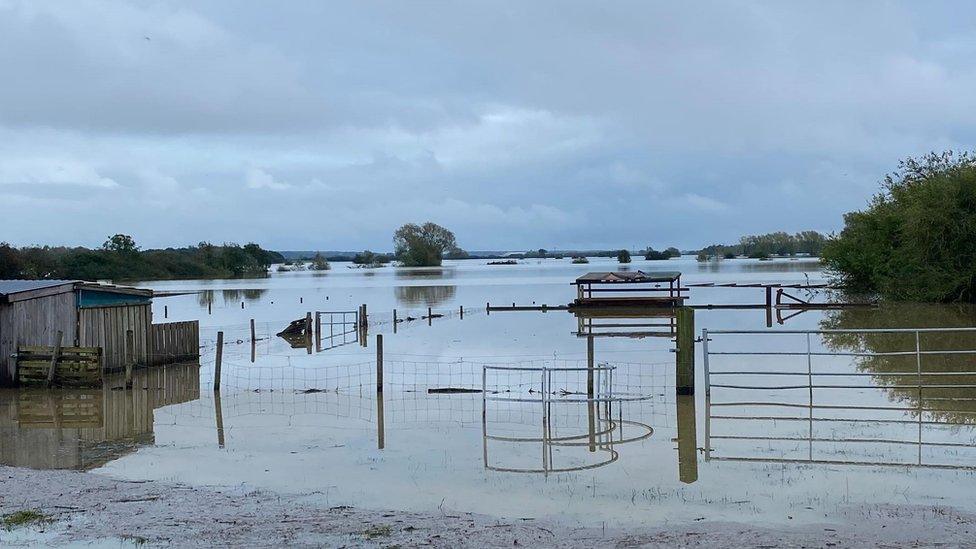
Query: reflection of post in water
x=380, y=427
x=687, y=439
x=590, y=409
x=219, y=413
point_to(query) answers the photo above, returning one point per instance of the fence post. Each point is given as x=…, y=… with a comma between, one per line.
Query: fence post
x=379, y=363
x=685, y=356
x=589, y=367
x=430, y=316
x=219, y=359
x=708, y=377
x=55, y=356
x=129, y=357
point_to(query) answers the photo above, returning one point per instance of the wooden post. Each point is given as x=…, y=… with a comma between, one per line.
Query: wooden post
x=308, y=331
x=218, y=360
x=253, y=337
x=165, y=311
x=769, y=306
x=685, y=356
x=394, y=321
x=301, y=300
x=209, y=309
x=365, y=318
x=430, y=316
x=55, y=357
x=242, y=304
x=379, y=363
x=589, y=367
x=318, y=332
x=129, y=357
x=462, y=312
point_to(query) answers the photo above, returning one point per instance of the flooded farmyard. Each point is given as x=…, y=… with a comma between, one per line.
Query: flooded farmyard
x=799, y=417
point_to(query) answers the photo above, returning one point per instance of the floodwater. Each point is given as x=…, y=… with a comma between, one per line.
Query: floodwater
x=786, y=426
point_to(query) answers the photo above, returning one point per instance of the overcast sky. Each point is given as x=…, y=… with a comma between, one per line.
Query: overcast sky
x=523, y=124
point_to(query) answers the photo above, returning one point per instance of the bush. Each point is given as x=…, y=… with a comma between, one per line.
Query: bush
x=915, y=241
x=623, y=256
x=319, y=263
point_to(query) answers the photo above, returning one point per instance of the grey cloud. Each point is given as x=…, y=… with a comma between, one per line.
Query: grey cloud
x=568, y=123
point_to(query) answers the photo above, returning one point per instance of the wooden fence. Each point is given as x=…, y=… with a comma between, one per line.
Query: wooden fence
x=73, y=366
x=174, y=342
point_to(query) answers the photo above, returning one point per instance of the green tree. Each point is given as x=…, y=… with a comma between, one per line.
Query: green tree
x=623, y=256
x=121, y=243
x=11, y=264
x=915, y=241
x=673, y=252
x=653, y=255
x=423, y=245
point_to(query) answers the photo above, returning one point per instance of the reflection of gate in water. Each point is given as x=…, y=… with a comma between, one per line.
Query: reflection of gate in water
x=604, y=432
x=921, y=393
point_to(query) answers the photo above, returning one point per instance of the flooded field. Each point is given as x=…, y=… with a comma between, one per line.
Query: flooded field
x=790, y=423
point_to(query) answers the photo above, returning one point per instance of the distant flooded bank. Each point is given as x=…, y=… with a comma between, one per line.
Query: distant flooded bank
x=798, y=416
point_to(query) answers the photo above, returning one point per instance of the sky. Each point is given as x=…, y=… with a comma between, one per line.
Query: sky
x=518, y=125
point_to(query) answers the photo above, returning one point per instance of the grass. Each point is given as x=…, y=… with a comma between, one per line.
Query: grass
x=25, y=517
x=378, y=531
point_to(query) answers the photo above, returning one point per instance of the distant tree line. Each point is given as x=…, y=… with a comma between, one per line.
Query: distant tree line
x=120, y=258
x=371, y=259
x=768, y=245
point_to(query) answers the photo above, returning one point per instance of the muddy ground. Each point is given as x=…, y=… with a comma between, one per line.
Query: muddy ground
x=90, y=508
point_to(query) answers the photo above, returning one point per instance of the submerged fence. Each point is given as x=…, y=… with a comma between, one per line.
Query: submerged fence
x=861, y=396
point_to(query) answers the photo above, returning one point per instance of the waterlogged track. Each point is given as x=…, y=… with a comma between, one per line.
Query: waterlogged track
x=86, y=508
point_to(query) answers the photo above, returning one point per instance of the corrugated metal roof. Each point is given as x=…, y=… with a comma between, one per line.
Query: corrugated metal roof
x=8, y=287
x=628, y=276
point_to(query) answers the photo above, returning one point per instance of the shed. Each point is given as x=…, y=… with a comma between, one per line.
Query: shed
x=629, y=289
x=87, y=314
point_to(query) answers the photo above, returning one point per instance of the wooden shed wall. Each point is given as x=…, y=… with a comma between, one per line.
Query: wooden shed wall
x=34, y=322
x=106, y=327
